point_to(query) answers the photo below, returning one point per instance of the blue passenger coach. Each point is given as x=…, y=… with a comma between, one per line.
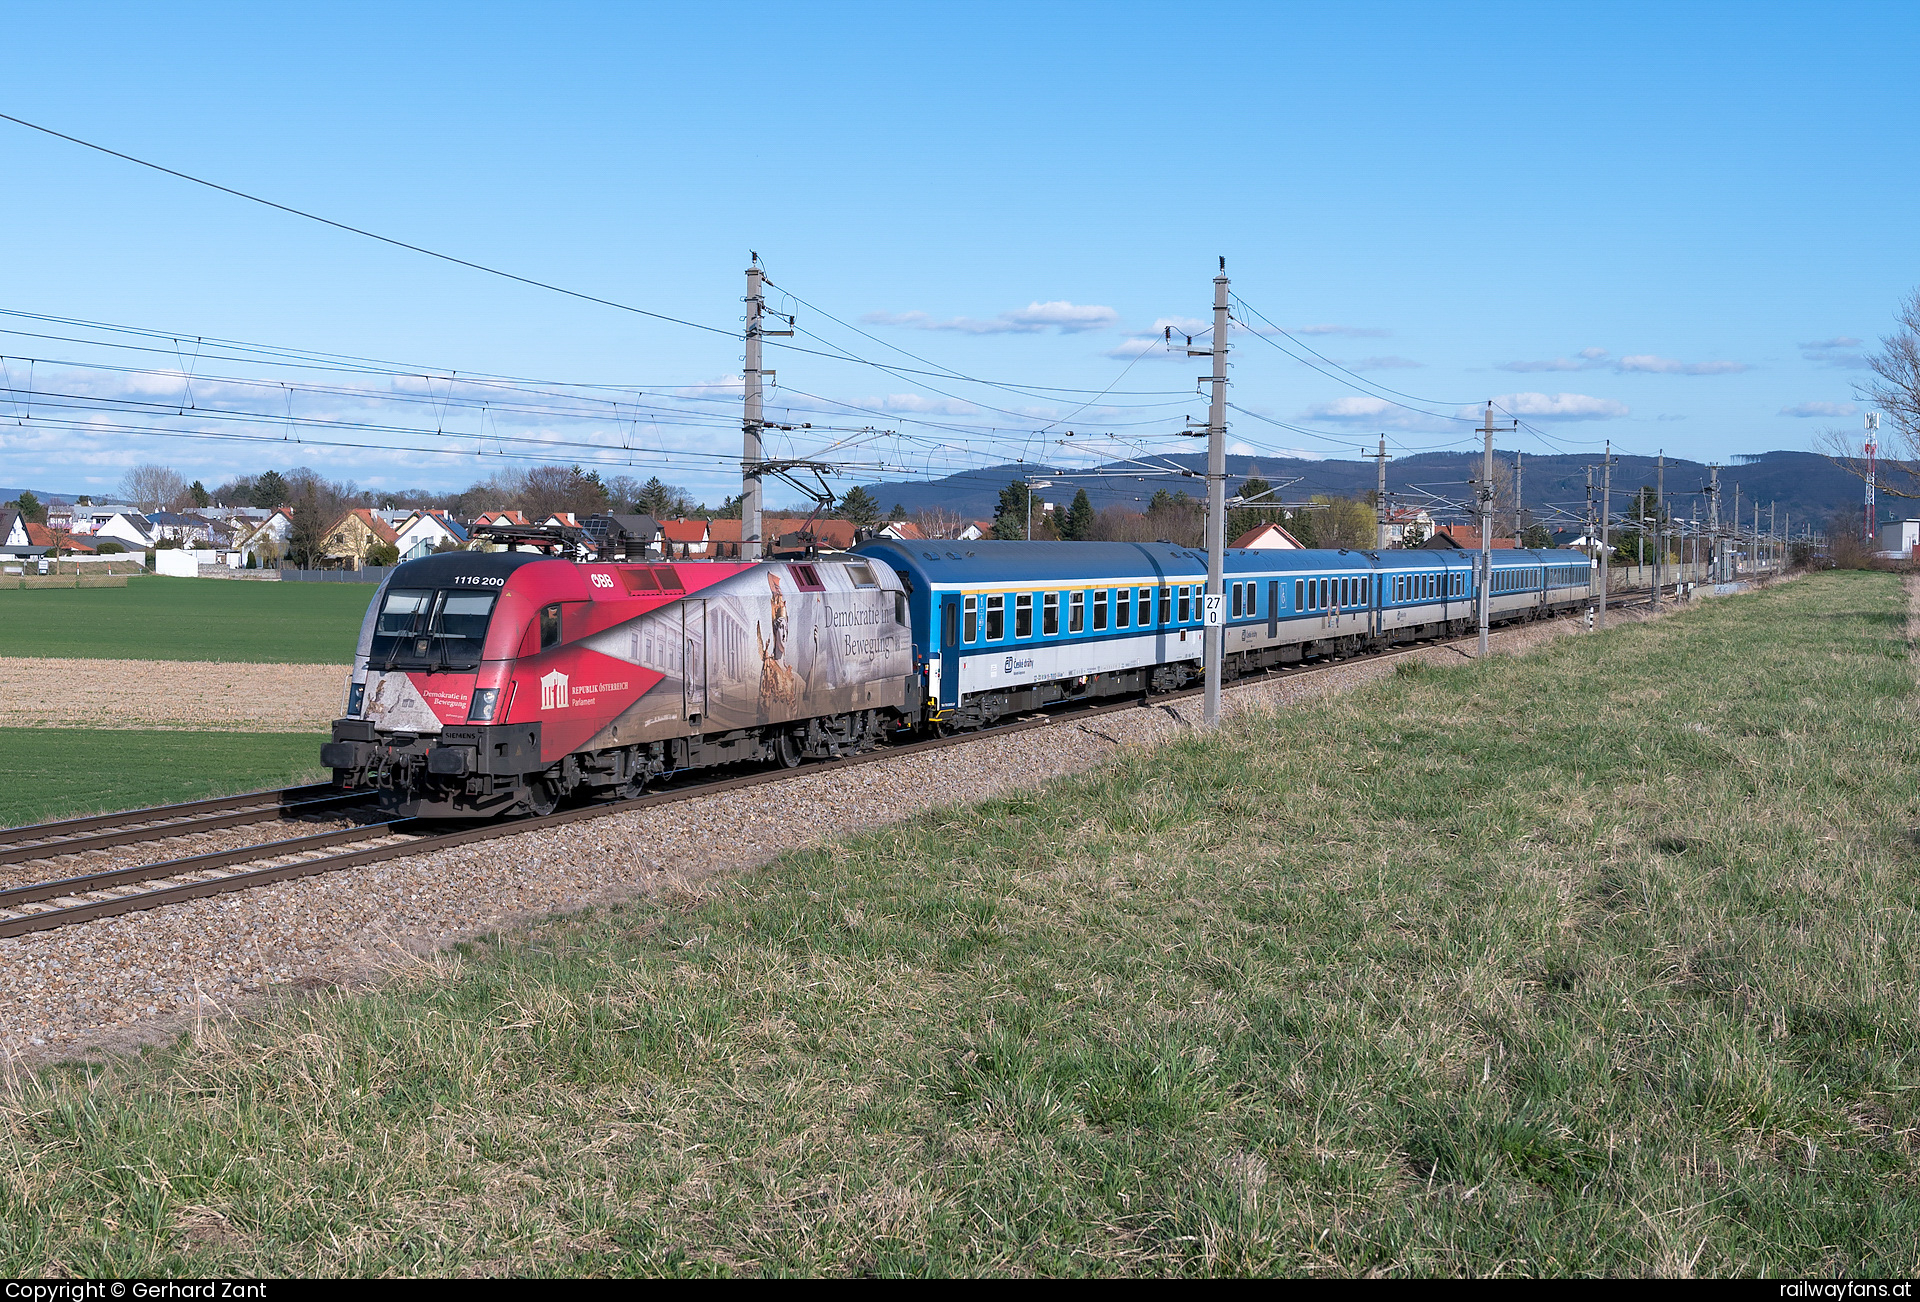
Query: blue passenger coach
x=1006, y=626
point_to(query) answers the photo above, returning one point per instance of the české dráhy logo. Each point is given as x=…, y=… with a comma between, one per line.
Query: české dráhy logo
x=553, y=691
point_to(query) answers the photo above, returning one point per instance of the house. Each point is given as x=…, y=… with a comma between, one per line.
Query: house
x=1402, y=518
x=1463, y=538
x=791, y=535
x=60, y=542
x=425, y=532
x=905, y=530
x=561, y=520
x=352, y=536
x=1267, y=537
x=128, y=528
x=684, y=539
x=1899, y=537
x=723, y=539
x=265, y=542
x=506, y=519
x=16, y=535
x=184, y=527
x=976, y=529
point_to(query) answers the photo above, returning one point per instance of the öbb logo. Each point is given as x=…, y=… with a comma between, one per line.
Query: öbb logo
x=553, y=691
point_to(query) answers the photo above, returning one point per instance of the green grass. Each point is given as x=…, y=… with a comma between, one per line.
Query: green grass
x=156, y=618
x=1592, y=961
x=48, y=773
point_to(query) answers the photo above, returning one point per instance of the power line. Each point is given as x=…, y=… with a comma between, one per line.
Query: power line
x=372, y=235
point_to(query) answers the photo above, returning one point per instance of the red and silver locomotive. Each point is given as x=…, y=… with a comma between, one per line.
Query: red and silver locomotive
x=491, y=683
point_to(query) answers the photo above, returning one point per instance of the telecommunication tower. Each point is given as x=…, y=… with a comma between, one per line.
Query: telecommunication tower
x=1873, y=428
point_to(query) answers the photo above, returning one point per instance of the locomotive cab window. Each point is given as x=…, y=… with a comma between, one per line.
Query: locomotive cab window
x=421, y=628
x=862, y=576
x=550, y=626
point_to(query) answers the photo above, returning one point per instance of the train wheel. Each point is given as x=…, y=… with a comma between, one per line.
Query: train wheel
x=787, y=750
x=634, y=787
x=542, y=797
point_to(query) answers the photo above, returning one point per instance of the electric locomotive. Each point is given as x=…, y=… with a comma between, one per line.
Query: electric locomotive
x=490, y=683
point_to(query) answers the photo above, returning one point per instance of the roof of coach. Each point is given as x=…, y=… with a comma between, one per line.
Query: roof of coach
x=444, y=568
x=1038, y=563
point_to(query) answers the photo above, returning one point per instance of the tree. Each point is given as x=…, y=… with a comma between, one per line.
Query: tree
x=859, y=507
x=198, y=492
x=29, y=507
x=1895, y=388
x=269, y=491
x=1010, y=515
x=1079, y=521
x=939, y=522
x=383, y=553
x=308, y=530
x=1242, y=519
x=1537, y=536
x=662, y=501
x=898, y=513
x=1344, y=522
x=151, y=487
x=1415, y=535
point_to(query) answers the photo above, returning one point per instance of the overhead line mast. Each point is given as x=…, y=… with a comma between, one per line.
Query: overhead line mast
x=1214, y=603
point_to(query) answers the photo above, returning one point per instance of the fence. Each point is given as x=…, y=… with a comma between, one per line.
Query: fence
x=370, y=574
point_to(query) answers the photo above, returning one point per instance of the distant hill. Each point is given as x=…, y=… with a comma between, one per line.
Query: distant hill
x=1804, y=484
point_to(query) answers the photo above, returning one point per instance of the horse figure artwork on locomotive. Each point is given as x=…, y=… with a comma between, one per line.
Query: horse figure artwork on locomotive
x=490, y=683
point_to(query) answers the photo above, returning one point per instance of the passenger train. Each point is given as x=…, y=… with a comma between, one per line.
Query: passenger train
x=498, y=683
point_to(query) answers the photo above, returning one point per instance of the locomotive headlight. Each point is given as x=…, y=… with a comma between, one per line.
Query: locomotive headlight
x=481, y=711
x=356, y=693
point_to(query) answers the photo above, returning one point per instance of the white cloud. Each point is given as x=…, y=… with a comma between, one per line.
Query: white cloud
x=1556, y=364
x=1836, y=352
x=1593, y=354
x=1351, y=332
x=1067, y=318
x=1554, y=406
x=1374, y=414
x=914, y=404
x=1820, y=409
x=1649, y=363
x=1384, y=364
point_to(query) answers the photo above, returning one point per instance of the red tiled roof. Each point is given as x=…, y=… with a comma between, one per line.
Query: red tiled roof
x=38, y=535
x=1467, y=537
x=684, y=531
x=375, y=525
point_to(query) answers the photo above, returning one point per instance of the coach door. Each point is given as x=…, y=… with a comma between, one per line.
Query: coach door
x=949, y=652
x=693, y=663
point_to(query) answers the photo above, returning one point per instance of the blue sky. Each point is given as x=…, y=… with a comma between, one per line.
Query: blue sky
x=1657, y=224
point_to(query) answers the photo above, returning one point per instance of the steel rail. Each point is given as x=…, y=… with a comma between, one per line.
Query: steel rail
x=24, y=852
x=94, y=822
x=430, y=843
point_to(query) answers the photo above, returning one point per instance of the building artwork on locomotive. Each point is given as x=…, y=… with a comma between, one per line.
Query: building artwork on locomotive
x=497, y=683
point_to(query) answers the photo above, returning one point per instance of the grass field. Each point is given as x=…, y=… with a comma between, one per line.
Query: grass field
x=156, y=618
x=1597, y=960
x=50, y=773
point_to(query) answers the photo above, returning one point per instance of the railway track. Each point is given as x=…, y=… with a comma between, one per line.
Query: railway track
x=86, y=897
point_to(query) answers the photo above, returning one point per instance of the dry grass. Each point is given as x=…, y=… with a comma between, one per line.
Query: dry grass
x=1596, y=960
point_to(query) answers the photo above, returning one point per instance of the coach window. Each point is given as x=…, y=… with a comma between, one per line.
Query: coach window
x=1186, y=603
x=1100, y=610
x=996, y=617
x=1146, y=607
x=1049, y=614
x=1299, y=594
x=1236, y=601
x=1166, y=605
x=1366, y=590
x=973, y=619
x=1122, y=607
x=1076, y=612
x=1023, y=615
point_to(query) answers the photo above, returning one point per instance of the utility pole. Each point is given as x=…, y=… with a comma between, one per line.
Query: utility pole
x=1733, y=562
x=751, y=423
x=1519, y=501
x=1606, y=536
x=1659, y=524
x=1380, y=497
x=1715, y=568
x=1486, y=529
x=1214, y=606
x=1873, y=425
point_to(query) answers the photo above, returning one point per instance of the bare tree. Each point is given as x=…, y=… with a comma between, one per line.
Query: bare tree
x=1895, y=391
x=939, y=522
x=151, y=487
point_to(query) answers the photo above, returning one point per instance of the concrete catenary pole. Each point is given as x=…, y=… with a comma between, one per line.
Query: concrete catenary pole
x=1733, y=552
x=1216, y=604
x=1606, y=543
x=1715, y=564
x=1485, y=576
x=1380, y=498
x=751, y=422
x=1519, y=500
x=1659, y=525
